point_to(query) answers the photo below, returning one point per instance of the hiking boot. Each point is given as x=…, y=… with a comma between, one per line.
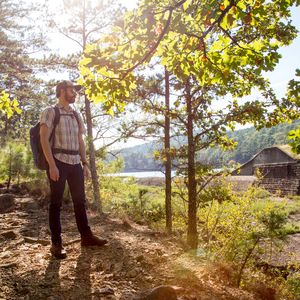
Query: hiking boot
x=92, y=240
x=58, y=251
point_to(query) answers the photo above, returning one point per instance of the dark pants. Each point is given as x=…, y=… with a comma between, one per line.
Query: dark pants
x=73, y=174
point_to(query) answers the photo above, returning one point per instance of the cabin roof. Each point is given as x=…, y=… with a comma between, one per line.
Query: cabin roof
x=286, y=149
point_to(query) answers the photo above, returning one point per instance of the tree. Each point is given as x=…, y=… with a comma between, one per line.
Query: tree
x=168, y=161
x=20, y=38
x=218, y=53
x=86, y=21
x=13, y=163
x=148, y=95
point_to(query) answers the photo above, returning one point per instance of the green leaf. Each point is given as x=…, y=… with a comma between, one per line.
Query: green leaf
x=186, y=4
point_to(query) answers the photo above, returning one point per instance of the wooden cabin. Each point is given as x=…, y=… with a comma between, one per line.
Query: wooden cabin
x=277, y=167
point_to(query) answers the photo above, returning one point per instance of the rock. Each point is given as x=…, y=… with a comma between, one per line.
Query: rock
x=159, y=252
x=8, y=265
x=3, y=190
x=107, y=266
x=105, y=291
x=149, y=278
x=10, y=234
x=140, y=258
x=162, y=292
x=108, y=276
x=36, y=192
x=262, y=291
x=7, y=203
x=29, y=204
x=132, y=273
x=126, y=224
x=6, y=254
x=118, y=267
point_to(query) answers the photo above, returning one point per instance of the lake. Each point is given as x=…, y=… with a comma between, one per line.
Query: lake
x=141, y=174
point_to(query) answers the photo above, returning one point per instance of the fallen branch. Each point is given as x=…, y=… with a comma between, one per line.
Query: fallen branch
x=31, y=240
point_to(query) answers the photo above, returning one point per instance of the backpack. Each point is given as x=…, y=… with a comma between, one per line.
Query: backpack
x=35, y=142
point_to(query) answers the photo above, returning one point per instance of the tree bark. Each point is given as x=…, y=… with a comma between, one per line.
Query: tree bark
x=9, y=170
x=168, y=163
x=192, y=234
x=92, y=158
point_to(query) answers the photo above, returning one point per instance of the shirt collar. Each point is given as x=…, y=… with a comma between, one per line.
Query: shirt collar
x=70, y=109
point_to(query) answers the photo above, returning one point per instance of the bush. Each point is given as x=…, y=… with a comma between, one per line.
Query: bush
x=233, y=230
x=16, y=164
x=123, y=197
x=293, y=284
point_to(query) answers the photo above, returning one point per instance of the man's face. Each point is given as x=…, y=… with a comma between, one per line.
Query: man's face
x=70, y=95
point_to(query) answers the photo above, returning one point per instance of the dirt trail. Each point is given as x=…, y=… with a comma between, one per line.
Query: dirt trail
x=135, y=260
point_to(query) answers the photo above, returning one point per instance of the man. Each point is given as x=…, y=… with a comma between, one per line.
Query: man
x=66, y=158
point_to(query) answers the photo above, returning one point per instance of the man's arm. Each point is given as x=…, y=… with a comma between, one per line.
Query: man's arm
x=82, y=153
x=45, y=135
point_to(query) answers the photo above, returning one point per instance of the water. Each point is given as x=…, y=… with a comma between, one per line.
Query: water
x=142, y=174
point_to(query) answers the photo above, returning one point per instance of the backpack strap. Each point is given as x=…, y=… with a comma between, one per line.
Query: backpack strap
x=75, y=113
x=55, y=122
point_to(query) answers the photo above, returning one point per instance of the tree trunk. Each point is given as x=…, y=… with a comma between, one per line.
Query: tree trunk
x=192, y=234
x=9, y=170
x=168, y=163
x=92, y=158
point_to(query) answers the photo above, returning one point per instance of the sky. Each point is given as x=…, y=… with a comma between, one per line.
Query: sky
x=284, y=71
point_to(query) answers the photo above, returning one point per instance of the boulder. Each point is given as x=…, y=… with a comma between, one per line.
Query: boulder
x=3, y=190
x=105, y=291
x=163, y=292
x=7, y=203
x=9, y=234
x=29, y=204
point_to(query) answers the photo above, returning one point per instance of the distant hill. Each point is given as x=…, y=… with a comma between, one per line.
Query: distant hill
x=140, y=158
x=250, y=141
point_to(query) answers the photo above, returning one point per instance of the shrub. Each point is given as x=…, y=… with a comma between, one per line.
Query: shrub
x=293, y=284
x=16, y=164
x=235, y=228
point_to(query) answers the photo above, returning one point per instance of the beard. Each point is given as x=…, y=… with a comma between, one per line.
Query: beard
x=71, y=99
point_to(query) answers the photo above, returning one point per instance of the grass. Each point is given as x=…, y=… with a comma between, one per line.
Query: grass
x=291, y=228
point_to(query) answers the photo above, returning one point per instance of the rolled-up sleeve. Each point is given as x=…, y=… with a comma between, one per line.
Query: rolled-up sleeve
x=47, y=117
x=82, y=129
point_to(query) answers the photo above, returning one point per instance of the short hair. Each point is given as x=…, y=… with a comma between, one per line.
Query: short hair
x=65, y=84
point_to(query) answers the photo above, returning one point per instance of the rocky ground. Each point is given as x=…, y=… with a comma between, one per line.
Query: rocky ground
x=135, y=261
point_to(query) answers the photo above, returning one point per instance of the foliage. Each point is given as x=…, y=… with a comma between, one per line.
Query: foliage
x=294, y=135
x=239, y=228
x=21, y=37
x=16, y=163
x=293, y=94
x=227, y=46
x=123, y=197
x=293, y=283
x=7, y=106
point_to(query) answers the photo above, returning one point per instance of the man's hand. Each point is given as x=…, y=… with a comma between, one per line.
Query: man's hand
x=86, y=172
x=54, y=173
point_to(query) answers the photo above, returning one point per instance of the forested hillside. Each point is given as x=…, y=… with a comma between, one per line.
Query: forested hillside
x=250, y=141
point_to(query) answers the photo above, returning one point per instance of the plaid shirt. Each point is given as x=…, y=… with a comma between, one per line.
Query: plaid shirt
x=66, y=132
